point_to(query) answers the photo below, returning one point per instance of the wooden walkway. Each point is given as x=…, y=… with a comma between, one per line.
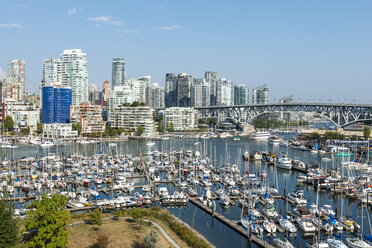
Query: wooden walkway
x=233, y=225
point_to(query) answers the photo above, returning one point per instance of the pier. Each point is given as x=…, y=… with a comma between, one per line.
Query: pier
x=233, y=225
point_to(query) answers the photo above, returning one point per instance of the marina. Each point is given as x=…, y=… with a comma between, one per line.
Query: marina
x=205, y=183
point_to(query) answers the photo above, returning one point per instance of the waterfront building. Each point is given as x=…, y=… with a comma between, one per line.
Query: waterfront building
x=16, y=70
x=74, y=73
x=212, y=77
x=118, y=72
x=139, y=86
x=224, y=91
x=184, y=84
x=119, y=96
x=182, y=118
x=10, y=90
x=156, y=96
x=59, y=131
x=94, y=95
x=241, y=95
x=260, y=95
x=35, y=100
x=24, y=115
x=89, y=117
x=130, y=118
x=200, y=93
x=51, y=72
x=170, y=90
x=56, y=104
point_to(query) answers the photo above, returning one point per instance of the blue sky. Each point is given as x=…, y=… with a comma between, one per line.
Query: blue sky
x=316, y=50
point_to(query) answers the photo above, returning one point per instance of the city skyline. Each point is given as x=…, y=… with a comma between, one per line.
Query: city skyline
x=307, y=50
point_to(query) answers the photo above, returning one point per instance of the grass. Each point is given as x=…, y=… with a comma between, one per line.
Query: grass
x=120, y=233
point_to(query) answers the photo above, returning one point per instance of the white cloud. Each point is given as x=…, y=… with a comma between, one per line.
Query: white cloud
x=2, y=74
x=73, y=11
x=12, y=25
x=168, y=28
x=106, y=20
x=98, y=25
x=19, y=5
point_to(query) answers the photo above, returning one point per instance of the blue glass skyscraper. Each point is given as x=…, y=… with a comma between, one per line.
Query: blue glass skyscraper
x=56, y=105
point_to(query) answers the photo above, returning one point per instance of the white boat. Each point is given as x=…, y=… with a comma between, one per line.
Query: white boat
x=325, y=226
x=336, y=243
x=274, y=139
x=297, y=197
x=316, y=244
x=356, y=243
x=284, y=163
x=284, y=143
x=257, y=135
x=225, y=200
x=282, y=242
x=287, y=225
x=268, y=226
x=306, y=225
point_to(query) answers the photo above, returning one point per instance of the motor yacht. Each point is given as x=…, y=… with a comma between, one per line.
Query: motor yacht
x=298, y=197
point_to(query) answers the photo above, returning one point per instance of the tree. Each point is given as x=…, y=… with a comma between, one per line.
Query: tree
x=366, y=132
x=39, y=128
x=135, y=104
x=150, y=239
x=9, y=231
x=171, y=127
x=8, y=123
x=136, y=214
x=77, y=127
x=95, y=218
x=142, y=104
x=140, y=130
x=25, y=131
x=50, y=218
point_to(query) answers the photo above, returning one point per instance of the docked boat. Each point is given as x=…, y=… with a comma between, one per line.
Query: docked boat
x=282, y=242
x=268, y=226
x=357, y=243
x=306, y=225
x=286, y=224
x=260, y=135
x=336, y=243
x=297, y=197
x=274, y=139
x=302, y=213
x=313, y=243
x=284, y=163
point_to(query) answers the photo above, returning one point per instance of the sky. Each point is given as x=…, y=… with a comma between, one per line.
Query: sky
x=318, y=51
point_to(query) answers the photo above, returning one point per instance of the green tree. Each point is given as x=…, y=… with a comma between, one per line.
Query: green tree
x=140, y=130
x=142, y=104
x=39, y=128
x=8, y=123
x=50, y=218
x=9, y=229
x=135, y=104
x=95, y=218
x=150, y=239
x=25, y=131
x=136, y=214
x=171, y=127
x=366, y=132
x=321, y=128
x=77, y=127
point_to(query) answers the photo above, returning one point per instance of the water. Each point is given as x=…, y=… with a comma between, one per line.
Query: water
x=222, y=151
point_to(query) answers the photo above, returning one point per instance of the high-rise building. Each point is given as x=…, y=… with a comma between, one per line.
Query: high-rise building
x=170, y=90
x=241, y=95
x=56, y=104
x=212, y=78
x=224, y=92
x=16, y=70
x=139, y=87
x=260, y=95
x=94, y=95
x=118, y=72
x=51, y=72
x=74, y=73
x=200, y=93
x=89, y=117
x=184, y=84
x=106, y=90
x=10, y=91
x=180, y=118
x=156, y=96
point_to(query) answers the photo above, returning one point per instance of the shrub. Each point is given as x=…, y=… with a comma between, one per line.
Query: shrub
x=102, y=241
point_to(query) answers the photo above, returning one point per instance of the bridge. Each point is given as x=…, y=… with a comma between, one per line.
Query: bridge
x=339, y=114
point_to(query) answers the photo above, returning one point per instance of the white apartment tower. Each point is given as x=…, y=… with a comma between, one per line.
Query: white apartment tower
x=16, y=70
x=118, y=72
x=74, y=73
x=51, y=72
